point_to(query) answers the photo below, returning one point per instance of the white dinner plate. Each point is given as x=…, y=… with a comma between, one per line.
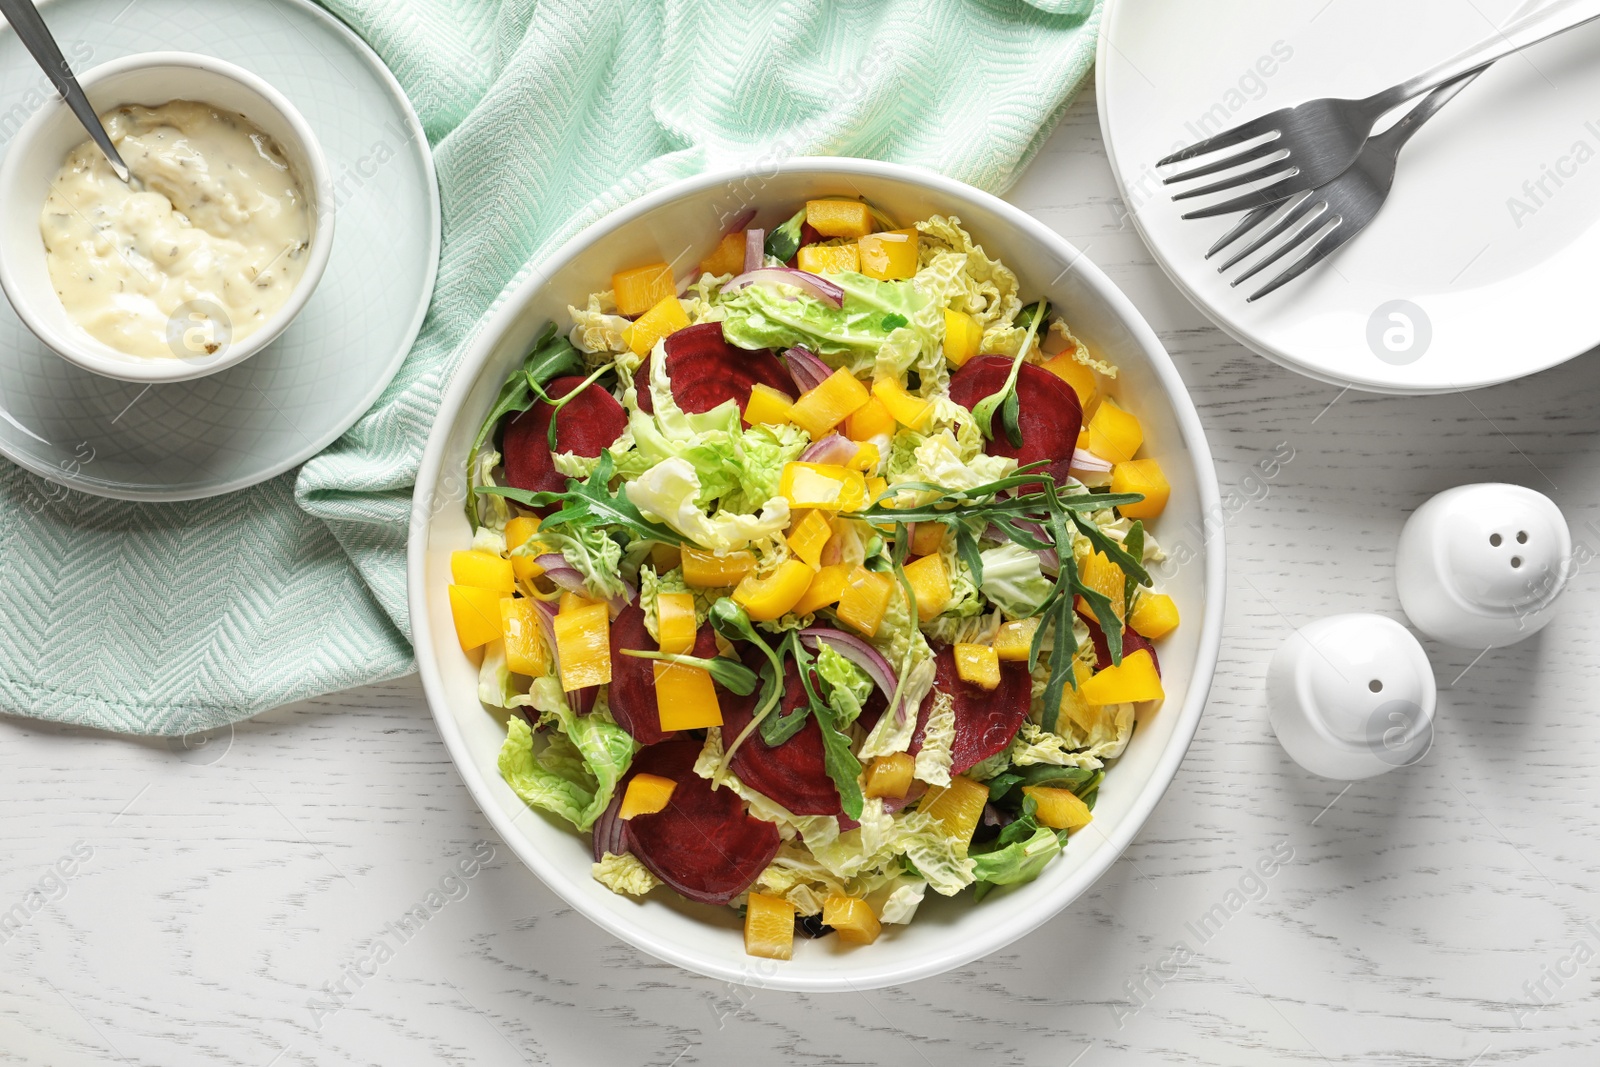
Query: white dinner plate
x=283, y=405
x=1479, y=269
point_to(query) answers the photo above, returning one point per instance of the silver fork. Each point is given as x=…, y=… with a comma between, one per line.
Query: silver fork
x=1312, y=143
x=1336, y=211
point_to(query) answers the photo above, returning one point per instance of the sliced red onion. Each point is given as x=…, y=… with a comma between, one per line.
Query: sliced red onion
x=805, y=368
x=559, y=571
x=856, y=651
x=812, y=284
x=833, y=448
x=755, y=254
x=740, y=221
x=1084, y=460
x=608, y=831
x=913, y=794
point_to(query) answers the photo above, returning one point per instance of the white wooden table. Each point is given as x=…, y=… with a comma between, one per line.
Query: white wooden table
x=220, y=898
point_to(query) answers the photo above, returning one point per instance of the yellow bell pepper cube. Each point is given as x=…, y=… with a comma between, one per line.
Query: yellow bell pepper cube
x=526, y=652
x=706, y=570
x=931, y=582
x=519, y=531
x=963, y=336
x=870, y=420
x=571, y=601
x=675, y=622
x=768, y=927
x=1103, y=576
x=1059, y=809
x=866, y=457
x=1073, y=706
x=666, y=317
x=767, y=407
x=685, y=698
x=727, y=257
x=1141, y=476
x=876, y=487
x=864, y=600
x=1014, y=640
x=839, y=218
x=1135, y=680
x=826, y=587
x=978, y=665
x=890, y=776
x=821, y=409
x=1155, y=615
x=889, y=256
x=1114, y=434
x=957, y=807
x=646, y=795
x=476, y=612
x=642, y=288
x=835, y=258
x=852, y=919
x=1078, y=375
x=827, y=486
x=486, y=570
x=809, y=534
x=772, y=597
x=909, y=411
x=927, y=538
x=583, y=646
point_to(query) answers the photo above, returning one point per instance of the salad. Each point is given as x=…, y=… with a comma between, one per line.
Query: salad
x=817, y=580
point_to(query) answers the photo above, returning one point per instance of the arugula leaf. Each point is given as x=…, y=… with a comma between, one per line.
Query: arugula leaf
x=967, y=549
x=1133, y=545
x=894, y=320
x=841, y=764
x=729, y=673
x=983, y=412
x=591, y=503
x=550, y=357
x=730, y=620
x=784, y=242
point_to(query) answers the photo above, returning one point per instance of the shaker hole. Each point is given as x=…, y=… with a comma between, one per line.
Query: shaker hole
x=1375, y=685
x=1516, y=561
x=1494, y=539
x=1522, y=537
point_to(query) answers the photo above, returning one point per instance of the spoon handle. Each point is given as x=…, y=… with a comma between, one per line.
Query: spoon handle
x=30, y=27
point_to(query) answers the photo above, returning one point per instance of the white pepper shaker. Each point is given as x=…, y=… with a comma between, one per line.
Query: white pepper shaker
x=1352, y=696
x=1481, y=566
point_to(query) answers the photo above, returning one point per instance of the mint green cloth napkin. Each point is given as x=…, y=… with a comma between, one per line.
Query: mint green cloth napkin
x=544, y=116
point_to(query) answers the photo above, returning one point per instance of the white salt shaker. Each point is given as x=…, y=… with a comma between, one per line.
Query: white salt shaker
x=1481, y=566
x=1352, y=696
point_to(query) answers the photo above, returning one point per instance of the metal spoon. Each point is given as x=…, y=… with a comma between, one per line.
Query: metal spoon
x=30, y=27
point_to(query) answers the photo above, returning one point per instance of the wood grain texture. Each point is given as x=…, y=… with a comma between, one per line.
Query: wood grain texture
x=230, y=889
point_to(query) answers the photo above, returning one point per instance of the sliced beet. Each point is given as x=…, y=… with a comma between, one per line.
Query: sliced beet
x=1048, y=411
x=1131, y=642
x=588, y=424
x=703, y=843
x=986, y=720
x=633, y=680
x=706, y=370
x=794, y=773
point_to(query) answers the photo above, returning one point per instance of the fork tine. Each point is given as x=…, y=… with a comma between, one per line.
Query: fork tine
x=1290, y=217
x=1266, y=196
x=1296, y=239
x=1274, y=169
x=1243, y=132
x=1242, y=227
x=1265, y=148
x=1325, y=246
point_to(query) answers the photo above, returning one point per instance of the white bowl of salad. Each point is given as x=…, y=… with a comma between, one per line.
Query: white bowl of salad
x=810, y=574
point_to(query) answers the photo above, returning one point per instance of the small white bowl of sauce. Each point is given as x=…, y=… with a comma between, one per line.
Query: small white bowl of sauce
x=201, y=261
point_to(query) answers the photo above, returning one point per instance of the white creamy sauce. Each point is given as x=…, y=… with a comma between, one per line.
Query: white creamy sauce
x=215, y=223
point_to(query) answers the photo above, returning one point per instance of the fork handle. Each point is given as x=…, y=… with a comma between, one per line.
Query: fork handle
x=1550, y=20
